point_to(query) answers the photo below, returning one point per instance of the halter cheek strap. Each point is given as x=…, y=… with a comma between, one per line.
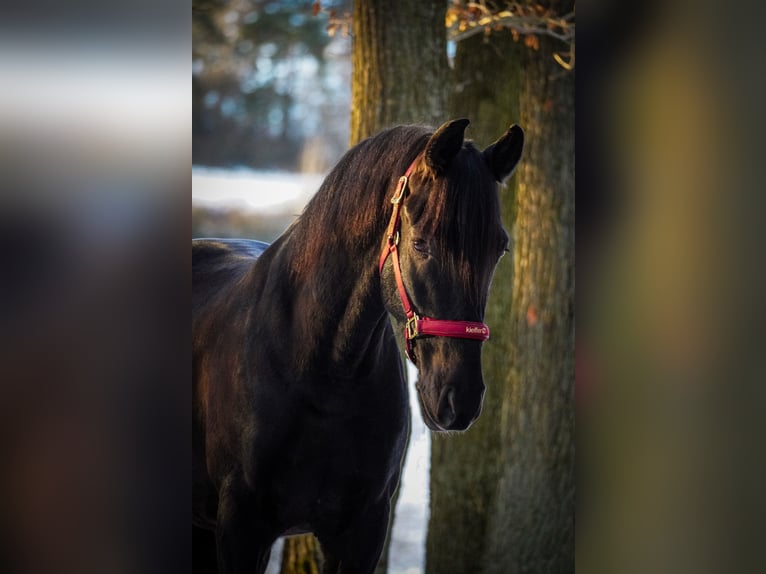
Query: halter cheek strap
x=416, y=325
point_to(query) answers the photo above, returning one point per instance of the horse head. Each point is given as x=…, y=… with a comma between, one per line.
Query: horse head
x=444, y=241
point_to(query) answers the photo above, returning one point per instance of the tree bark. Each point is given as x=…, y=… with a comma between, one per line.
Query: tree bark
x=465, y=468
x=301, y=555
x=400, y=69
x=533, y=520
x=505, y=489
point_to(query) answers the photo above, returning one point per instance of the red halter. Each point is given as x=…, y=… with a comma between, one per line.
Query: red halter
x=416, y=325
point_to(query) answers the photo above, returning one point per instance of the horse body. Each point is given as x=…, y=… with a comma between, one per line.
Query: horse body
x=273, y=429
x=300, y=399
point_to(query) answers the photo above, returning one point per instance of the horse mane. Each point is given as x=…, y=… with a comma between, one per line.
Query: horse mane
x=352, y=206
x=353, y=203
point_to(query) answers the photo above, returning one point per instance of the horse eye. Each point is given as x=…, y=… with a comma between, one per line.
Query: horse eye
x=420, y=246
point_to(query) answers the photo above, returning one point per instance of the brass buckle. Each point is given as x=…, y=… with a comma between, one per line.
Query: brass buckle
x=412, y=326
x=399, y=193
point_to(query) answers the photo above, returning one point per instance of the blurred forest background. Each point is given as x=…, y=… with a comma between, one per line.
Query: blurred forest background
x=271, y=90
x=270, y=87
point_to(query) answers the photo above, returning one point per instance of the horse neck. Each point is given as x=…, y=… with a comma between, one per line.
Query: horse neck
x=337, y=317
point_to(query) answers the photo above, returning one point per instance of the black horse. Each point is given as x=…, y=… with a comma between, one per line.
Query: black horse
x=300, y=402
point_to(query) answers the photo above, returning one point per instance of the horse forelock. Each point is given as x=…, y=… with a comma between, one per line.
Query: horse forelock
x=461, y=213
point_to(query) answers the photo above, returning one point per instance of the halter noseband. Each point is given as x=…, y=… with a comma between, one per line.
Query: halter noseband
x=416, y=325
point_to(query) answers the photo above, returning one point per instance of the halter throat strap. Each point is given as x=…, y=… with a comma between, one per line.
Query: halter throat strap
x=418, y=326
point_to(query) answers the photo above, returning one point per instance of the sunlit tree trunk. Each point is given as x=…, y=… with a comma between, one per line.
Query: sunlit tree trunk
x=400, y=70
x=301, y=555
x=502, y=494
x=399, y=75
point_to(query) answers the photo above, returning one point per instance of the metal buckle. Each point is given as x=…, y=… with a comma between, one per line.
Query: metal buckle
x=393, y=241
x=399, y=193
x=412, y=326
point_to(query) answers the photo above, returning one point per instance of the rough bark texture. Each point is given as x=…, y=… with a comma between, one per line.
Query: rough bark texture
x=533, y=520
x=399, y=65
x=465, y=469
x=301, y=555
x=502, y=495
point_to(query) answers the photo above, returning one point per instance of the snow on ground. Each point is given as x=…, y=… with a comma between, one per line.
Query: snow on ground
x=270, y=192
x=266, y=192
x=408, y=538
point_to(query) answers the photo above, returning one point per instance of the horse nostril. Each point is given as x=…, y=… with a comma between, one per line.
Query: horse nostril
x=447, y=412
x=451, y=400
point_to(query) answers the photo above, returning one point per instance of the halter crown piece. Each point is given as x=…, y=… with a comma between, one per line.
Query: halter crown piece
x=418, y=326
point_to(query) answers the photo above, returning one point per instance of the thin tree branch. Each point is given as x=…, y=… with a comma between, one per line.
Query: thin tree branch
x=468, y=19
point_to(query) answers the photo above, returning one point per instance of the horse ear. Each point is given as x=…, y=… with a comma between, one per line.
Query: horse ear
x=503, y=155
x=444, y=145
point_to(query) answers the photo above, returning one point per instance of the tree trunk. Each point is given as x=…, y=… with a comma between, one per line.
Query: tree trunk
x=301, y=555
x=533, y=519
x=465, y=468
x=399, y=76
x=505, y=489
x=400, y=66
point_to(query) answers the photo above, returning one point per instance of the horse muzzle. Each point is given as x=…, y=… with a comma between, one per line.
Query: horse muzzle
x=454, y=408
